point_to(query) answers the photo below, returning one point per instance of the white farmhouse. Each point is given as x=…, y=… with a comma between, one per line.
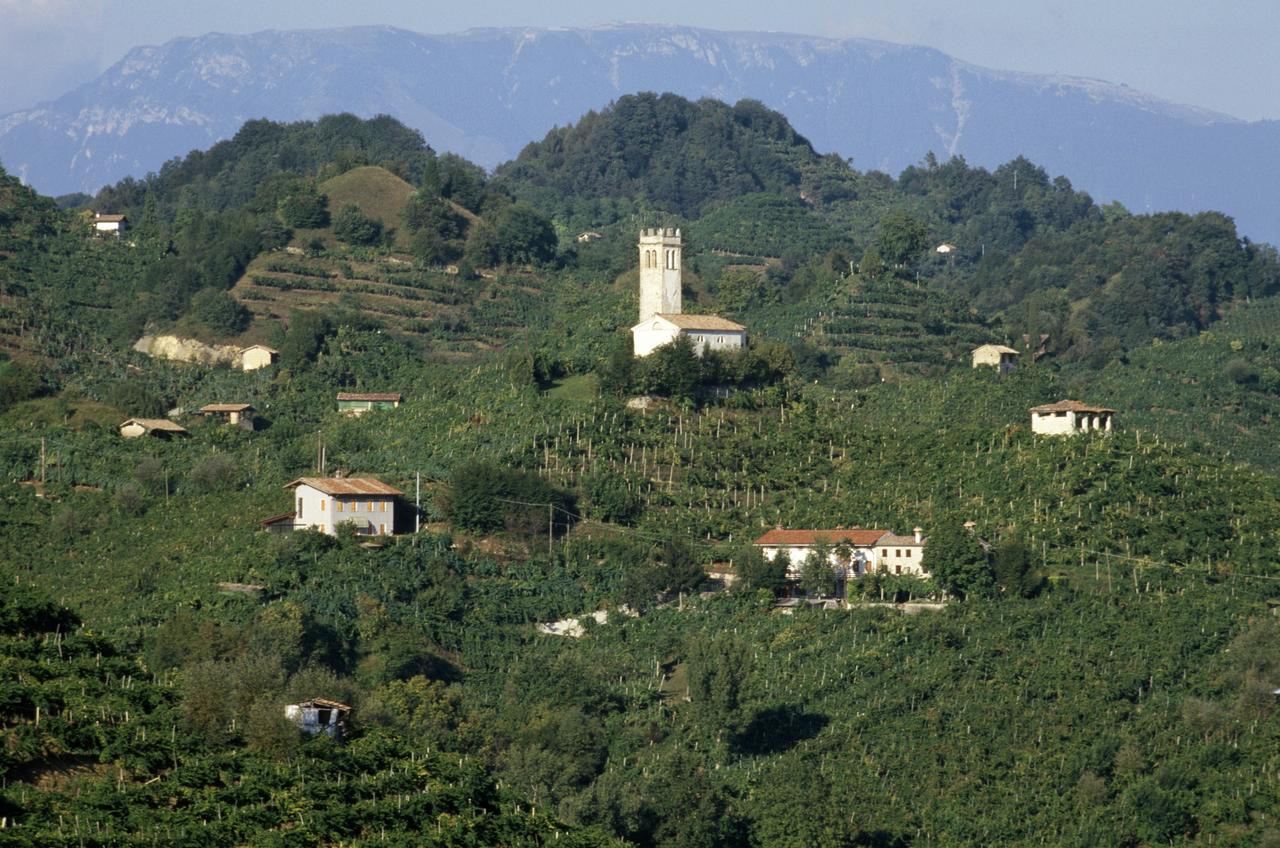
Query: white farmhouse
x=853, y=549
x=661, y=302
x=902, y=554
x=1069, y=417
x=325, y=503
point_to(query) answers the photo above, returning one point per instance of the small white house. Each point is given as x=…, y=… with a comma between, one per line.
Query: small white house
x=257, y=356
x=1070, y=417
x=1000, y=357
x=325, y=503
x=853, y=549
x=109, y=225
x=707, y=332
x=902, y=554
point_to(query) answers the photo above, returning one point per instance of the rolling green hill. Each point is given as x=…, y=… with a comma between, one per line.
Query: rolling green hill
x=1097, y=668
x=375, y=191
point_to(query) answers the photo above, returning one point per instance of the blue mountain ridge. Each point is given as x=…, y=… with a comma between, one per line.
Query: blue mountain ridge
x=486, y=93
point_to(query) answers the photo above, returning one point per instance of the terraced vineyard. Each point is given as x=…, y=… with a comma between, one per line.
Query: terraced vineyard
x=890, y=322
x=465, y=314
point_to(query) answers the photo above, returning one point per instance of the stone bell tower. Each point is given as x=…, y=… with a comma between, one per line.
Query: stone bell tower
x=660, y=263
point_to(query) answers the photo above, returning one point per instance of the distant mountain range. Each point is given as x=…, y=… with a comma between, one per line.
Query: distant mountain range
x=486, y=93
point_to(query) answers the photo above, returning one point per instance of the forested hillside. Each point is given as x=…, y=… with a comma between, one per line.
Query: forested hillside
x=1095, y=659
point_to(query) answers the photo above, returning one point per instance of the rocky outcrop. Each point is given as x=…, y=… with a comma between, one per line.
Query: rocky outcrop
x=187, y=350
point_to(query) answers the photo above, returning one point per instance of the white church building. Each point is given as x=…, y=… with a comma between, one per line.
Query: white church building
x=661, y=316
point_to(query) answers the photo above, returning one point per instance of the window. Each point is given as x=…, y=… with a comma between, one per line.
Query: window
x=908, y=552
x=897, y=569
x=897, y=552
x=369, y=506
x=341, y=506
x=299, y=507
x=322, y=504
x=382, y=528
x=884, y=552
x=383, y=506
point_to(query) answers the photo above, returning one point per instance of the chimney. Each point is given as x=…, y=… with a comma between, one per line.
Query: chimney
x=919, y=534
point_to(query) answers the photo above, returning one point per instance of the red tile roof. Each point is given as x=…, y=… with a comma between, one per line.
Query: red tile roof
x=855, y=536
x=277, y=519
x=345, y=485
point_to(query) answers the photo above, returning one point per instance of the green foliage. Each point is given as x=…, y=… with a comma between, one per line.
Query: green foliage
x=609, y=497
x=899, y=238
x=354, y=227
x=304, y=338
x=219, y=312
x=958, y=563
x=717, y=672
x=437, y=230
x=484, y=497
x=1011, y=569
x=18, y=382
x=304, y=206
x=818, y=573
x=756, y=571
x=675, y=154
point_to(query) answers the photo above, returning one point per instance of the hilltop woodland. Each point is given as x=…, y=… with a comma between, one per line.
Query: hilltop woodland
x=1101, y=672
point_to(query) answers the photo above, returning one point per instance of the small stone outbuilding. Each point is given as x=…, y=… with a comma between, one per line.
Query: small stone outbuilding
x=319, y=715
x=257, y=356
x=1000, y=357
x=236, y=414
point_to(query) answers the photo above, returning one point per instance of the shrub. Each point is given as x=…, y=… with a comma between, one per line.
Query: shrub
x=216, y=473
x=219, y=311
x=354, y=227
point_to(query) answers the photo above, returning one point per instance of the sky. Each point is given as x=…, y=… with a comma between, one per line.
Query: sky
x=1221, y=56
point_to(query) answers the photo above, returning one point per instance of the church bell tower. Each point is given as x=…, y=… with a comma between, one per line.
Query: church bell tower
x=660, y=263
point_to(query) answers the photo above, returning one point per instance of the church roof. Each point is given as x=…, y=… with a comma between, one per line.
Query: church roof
x=701, y=322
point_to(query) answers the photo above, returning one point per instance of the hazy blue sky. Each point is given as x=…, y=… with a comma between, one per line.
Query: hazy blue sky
x=1220, y=55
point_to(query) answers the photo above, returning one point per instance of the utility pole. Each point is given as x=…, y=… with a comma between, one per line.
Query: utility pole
x=417, y=504
x=551, y=524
